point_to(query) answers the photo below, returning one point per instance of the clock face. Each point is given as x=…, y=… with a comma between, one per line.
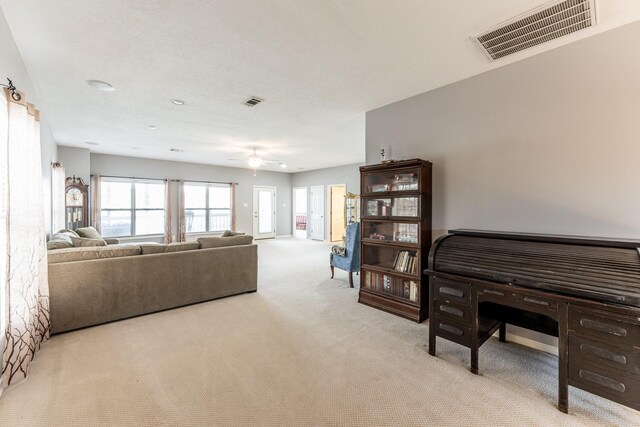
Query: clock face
x=74, y=197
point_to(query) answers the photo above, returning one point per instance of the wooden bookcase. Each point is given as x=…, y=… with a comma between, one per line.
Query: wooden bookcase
x=395, y=214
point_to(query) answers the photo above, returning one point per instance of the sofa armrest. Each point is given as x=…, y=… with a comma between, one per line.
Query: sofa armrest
x=112, y=241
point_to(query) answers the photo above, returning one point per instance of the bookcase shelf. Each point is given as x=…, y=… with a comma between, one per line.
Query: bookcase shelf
x=395, y=237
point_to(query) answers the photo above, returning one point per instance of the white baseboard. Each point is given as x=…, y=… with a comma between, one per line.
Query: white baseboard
x=284, y=236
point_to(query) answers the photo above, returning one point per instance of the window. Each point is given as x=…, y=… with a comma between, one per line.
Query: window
x=132, y=207
x=207, y=207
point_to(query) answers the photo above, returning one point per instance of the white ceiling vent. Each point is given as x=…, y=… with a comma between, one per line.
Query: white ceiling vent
x=253, y=101
x=536, y=27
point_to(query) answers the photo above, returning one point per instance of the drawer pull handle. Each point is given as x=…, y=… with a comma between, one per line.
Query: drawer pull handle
x=451, y=329
x=536, y=301
x=452, y=310
x=450, y=291
x=603, y=327
x=491, y=292
x=603, y=381
x=605, y=354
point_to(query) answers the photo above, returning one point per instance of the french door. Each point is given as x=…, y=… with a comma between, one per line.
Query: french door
x=317, y=212
x=264, y=212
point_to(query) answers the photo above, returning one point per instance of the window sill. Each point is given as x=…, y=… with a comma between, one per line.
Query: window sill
x=142, y=236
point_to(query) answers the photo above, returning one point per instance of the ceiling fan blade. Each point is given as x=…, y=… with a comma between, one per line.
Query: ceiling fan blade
x=237, y=160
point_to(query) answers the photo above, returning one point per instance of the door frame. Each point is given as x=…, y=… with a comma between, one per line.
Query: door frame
x=324, y=211
x=328, y=209
x=274, y=222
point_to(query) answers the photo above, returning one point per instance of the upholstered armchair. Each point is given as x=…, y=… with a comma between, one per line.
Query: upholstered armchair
x=347, y=257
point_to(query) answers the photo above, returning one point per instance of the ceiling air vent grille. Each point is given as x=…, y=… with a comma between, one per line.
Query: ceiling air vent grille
x=253, y=101
x=536, y=27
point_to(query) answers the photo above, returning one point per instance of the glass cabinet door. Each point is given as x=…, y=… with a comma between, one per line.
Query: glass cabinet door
x=398, y=180
x=391, y=206
x=387, y=231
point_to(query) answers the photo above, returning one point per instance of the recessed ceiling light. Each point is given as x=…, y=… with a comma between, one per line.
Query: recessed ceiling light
x=100, y=85
x=176, y=150
x=283, y=166
x=91, y=143
x=177, y=101
x=152, y=127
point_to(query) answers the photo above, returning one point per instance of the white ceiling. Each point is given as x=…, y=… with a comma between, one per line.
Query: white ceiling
x=320, y=65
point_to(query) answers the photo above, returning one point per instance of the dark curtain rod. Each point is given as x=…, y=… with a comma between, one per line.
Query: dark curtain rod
x=165, y=179
x=14, y=92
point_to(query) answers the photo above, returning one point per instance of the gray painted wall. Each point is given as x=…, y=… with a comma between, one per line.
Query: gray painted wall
x=76, y=162
x=347, y=174
x=146, y=168
x=549, y=144
x=13, y=68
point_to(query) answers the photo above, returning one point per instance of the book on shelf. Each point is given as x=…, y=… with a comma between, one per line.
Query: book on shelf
x=413, y=291
x=406, y=262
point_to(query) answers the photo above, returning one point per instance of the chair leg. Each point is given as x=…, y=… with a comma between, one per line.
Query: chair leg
x=351, y=279
x=331, y=271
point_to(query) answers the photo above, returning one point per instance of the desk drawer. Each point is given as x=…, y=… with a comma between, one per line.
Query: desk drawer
x=460, y=313
x=497, y=295
x=613, y=386
x=586, y=351
x=538, y=304
x=453, y=331
x=452, y=290
x=610, y=329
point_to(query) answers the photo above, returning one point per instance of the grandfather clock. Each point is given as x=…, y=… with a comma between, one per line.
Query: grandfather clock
x=76, y=196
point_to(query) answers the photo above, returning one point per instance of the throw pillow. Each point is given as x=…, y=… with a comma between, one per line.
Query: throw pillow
x=229, y=233
x=88, y=232
x=83, y=242
x=67, y=231
x=339, y=250
x=59, y=241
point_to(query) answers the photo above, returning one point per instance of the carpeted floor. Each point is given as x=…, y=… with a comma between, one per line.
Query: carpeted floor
x=300, y=351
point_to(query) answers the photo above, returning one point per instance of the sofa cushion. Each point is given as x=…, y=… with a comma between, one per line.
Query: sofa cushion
x=91, y=252
x=88, y=232
x=115, y=251
x=72, y=254
x=229, y=233
x=83, y=242
x=219, y=242
x=59, y=241
x=182, y=246
x=152, y=248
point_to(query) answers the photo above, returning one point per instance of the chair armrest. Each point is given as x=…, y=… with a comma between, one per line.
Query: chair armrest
x=112, y=241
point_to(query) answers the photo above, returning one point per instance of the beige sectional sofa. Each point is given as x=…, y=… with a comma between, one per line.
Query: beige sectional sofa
x=93, y=285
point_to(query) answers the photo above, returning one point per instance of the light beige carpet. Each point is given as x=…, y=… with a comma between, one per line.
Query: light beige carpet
x=300, y=351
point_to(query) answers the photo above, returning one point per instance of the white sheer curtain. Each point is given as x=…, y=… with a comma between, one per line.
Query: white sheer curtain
x=182, y=224
x=57, y=197
x=23, y=286
x=168, y=207
x=96, y=206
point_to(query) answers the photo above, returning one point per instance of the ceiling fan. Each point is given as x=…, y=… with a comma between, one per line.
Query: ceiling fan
x=255, y=162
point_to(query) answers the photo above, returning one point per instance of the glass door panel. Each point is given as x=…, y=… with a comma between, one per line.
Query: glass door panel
x=390, y=231
x=391, y=206
x=399, y=180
